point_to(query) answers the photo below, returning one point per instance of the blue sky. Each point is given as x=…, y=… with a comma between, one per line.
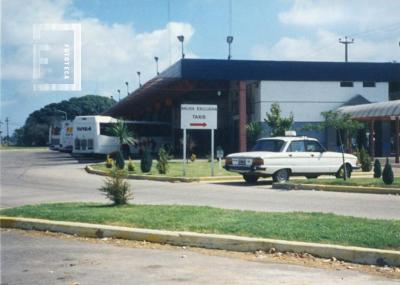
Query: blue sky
x=121, y=37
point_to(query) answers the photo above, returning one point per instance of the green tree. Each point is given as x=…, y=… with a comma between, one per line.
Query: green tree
x=36, y=127
x=341, y=123
x=253, y=130
x=124, y=135
x=276, y=122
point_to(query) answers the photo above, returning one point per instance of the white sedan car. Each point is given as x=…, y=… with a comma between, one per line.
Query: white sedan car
x=282, y=157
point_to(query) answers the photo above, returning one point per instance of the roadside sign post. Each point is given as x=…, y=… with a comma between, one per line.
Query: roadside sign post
x=198, y=117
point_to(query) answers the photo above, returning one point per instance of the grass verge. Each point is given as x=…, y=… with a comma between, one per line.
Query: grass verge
x=194, y=169
x=370, y=182
x=297, y=226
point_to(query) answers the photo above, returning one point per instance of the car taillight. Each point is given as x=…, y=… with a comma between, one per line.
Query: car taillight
x=258, y=161
x=228, y=161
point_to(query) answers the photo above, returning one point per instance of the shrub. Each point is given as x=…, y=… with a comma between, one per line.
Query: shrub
x=387, y=174
x=365, y=160
x=146, y=161
x=131, y=167
x=109, y=162
x=162, y=164
x=116, y=188
x=377, y=169
x=193, y=157
x=119, y=160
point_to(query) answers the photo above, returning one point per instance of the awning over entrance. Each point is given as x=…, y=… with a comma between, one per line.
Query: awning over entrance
x=383, y=111
x=377, y=111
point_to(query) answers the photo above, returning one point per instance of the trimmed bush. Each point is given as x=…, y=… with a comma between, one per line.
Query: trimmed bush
x=377, y=169
x=387, y=174
x=146, y=161
x=365, y=160
x=116, y=188
x=119, y=160
x=162, y=164
x=131, y=167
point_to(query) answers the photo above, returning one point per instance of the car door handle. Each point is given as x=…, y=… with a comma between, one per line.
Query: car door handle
x=312, y=155
x=290, y=155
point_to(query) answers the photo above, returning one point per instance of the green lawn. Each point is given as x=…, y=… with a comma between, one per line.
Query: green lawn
x=5, y=147
x=377, y=182
x=194, y=169
x=310, y=227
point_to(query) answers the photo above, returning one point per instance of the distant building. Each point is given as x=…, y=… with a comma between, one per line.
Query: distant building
x=244, y=91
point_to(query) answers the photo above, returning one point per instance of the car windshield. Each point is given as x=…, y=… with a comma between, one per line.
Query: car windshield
x=268, y=145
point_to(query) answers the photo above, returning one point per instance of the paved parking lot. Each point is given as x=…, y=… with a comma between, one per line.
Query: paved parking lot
x=46, y=176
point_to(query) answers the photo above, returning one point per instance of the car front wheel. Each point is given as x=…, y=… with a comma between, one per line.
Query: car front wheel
x=250, y=178
x=281, y=176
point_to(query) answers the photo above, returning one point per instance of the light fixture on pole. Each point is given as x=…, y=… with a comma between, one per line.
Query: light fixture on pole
x=156, y=59
x=127, y=87
x=65, y=113
x=138, y=74
x=181, y=38
x=346, y=42
x=229, y=40
x=119, y=95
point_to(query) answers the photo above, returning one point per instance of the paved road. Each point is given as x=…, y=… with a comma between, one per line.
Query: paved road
x=27, y=259
x=46, y=176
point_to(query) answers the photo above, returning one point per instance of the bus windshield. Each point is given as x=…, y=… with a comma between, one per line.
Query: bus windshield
x=139, y=129
x=269, y=145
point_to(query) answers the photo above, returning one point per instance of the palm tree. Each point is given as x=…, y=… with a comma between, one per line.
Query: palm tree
x=124, y=135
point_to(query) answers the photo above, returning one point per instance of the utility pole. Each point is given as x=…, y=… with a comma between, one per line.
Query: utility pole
x=346, y=42
x=7, y=120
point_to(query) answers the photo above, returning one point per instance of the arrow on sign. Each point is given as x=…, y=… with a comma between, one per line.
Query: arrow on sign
x=198, y=124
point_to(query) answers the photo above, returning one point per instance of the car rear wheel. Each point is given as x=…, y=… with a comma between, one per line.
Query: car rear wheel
x=339, y=174
x=281, y=176
x=250, y=178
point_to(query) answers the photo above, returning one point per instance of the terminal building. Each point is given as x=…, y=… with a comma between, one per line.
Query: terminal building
x=244, y=90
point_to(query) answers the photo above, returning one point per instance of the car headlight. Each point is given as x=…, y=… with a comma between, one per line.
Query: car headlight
x=258, y=161
x=228, y=161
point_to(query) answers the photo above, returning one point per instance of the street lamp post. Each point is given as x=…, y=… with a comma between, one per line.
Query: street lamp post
x=119, y=95
x=138, y=74
x=65, y=113
x=181, y=38
x=156, y=59
x=127, y=87
x=229, y=40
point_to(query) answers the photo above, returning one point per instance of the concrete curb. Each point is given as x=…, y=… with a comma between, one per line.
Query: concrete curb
x=90, y=170
x=336, y=188
x=212, y=241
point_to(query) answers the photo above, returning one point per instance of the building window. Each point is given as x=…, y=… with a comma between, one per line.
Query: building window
x=368, y=84
x=346, y=84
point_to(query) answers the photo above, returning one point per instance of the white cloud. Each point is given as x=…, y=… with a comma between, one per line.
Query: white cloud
x=325, y=47
x=362, y=13
x=375, y=25
x=111, y=54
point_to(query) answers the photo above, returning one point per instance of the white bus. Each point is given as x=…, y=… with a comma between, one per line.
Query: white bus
x=54, y=135
x=92, y=135
x=66, y=136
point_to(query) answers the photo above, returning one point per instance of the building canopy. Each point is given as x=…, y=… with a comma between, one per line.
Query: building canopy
x=379, y=111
